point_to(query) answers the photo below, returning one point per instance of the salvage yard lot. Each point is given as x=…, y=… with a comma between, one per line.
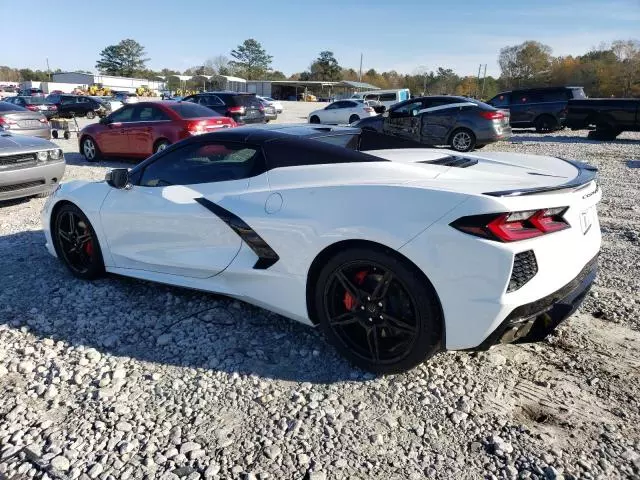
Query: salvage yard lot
x=120, y=378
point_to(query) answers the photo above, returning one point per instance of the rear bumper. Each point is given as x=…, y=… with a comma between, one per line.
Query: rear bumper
x=38, y=132
x=492, y=133
x=25, y=182
x=533, y=321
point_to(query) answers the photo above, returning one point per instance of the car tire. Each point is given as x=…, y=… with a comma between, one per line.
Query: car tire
x=406, y=321
x=478, y=147
x=605, y=129
x=546, y=124
x=54, y=134
x=89, y=149
x=161, y=145
x=314, y=119
x=91, y=115
x=353, y=118
x=462, y=140
x=78, y=247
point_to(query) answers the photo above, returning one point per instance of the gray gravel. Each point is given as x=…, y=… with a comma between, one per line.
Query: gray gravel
x=119, y=378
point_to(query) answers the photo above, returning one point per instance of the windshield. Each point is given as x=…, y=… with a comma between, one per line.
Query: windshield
x=35, y=100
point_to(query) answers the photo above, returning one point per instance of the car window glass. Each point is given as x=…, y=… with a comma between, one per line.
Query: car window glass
x=554, y=96
x=387, y=97
x=67, y=100
x=123, y=115
x=203, y=163
x=501, y=100
x=192, y=110
x=333, y=106
x=409, y=109
x=213, y=101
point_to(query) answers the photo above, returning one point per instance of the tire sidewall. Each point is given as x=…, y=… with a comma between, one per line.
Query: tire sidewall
x=429, y=339
x=314, y=119
x=96, y=270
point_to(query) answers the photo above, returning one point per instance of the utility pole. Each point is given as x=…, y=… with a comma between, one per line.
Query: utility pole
x=478, y=82
x=48, y=69
x=360, y=75
x=484, y=80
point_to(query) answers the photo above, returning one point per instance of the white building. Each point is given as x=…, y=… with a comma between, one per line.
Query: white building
x=109, y=81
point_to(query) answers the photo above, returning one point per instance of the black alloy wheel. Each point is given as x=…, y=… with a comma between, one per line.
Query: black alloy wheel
x=546, y=124
x=76, y=243
x=379, y=313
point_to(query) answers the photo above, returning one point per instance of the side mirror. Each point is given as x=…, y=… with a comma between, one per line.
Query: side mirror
x=118, y=178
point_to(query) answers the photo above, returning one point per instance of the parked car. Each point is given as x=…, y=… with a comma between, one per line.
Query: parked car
x=20, y=121
x=460, y=122
x=276, y=104
x=125, y=97
x=542, y=108
x=78, y=106
x=270, y=112
x=610, y=116
x=244, y=108
x=28, y=166
x=113, y=104
x=144, y=128
x=28, y=92
x=452, y=252
x=385, y=97
x=342, y=111
x=8, y=92
x=35, y=104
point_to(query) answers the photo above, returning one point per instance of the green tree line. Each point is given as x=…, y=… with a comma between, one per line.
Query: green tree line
x=605, y=71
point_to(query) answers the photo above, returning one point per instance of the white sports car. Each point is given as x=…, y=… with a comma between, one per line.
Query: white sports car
x=395, y=254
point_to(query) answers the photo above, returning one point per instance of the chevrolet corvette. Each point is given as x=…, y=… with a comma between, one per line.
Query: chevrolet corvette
x=395, y=254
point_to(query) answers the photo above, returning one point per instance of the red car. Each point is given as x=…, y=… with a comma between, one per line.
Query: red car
x=142, y=129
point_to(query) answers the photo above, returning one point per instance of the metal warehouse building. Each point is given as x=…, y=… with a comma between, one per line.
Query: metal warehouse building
x=112, y=82
x=289, y=89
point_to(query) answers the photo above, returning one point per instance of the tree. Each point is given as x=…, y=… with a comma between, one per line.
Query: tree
x=523, y=64
x=628, y=72
x=125, y=59
x=251, y=60
x=325, y=67
x=219, y=64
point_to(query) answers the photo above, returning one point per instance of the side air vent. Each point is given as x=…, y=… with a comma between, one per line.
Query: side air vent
x=525, y=268
x=458, y=162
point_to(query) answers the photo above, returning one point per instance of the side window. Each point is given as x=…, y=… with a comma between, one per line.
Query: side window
x=388, y=97
x=409, y=109
x=333, y=106
x=501, y=100
x=214, y=101
x=190, y=99
x=124, y=114
x=203, y=163
x=149, y=114
x=555, y=96
x=67, y=100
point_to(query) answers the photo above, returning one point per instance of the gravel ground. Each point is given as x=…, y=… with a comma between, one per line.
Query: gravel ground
x=119, y=378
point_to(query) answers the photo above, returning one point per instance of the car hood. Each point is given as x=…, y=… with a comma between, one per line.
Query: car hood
x=19, y=143
x=487, y=172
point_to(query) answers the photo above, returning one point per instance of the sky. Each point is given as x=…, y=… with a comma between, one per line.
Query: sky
x=403, y=35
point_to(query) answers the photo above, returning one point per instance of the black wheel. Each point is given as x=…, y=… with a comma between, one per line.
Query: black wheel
x=54, y=134
x=478, y=147
x=378, y=311
x=76, y=243
x=91, y=115
x=161, y=145
x=314, y=119
x=546, y=124
x=462, y=140
x=353, y=118
x=66, y=135
x=90, y=149
x=605, y=130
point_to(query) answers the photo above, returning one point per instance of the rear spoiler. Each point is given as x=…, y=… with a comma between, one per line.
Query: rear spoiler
x=586, y=174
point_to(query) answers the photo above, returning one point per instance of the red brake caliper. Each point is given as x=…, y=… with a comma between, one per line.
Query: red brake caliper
x=349, y=301
x=88, y=248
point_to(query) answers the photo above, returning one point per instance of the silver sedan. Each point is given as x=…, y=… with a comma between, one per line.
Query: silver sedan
x=20, y=121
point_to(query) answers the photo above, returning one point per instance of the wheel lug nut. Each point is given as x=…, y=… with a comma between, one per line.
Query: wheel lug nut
x=368, y=298
x=362, y=308
x=379, y=304
x=370, y=319
x=381, y=317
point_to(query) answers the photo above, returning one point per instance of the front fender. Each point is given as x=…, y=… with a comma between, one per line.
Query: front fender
x=88, y=197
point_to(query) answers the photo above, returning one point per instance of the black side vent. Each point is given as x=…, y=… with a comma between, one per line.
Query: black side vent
x=458, y=162
x=525, y=268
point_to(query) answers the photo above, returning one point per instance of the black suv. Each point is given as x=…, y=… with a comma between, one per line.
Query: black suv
x=78, y=106
x=542, y=108
x=242, y=107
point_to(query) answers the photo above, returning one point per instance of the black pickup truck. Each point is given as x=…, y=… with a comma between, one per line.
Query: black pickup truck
x=610, y=116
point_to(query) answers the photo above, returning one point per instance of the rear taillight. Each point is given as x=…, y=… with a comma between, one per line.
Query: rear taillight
x=32, y=107
x=514, y=226
x=492, y=115
x=238, y=110
x=197, y=127
x=43, y=120
x=5, y=123
x=368, y=109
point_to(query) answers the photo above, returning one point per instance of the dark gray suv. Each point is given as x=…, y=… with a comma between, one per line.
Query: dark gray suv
x=459, y=122
x=542, y=108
